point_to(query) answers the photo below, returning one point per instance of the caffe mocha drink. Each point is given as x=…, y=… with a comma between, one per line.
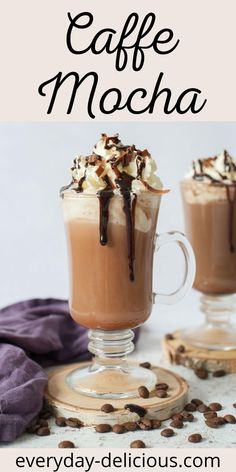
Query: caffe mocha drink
x=110, y=210
x=209, y=196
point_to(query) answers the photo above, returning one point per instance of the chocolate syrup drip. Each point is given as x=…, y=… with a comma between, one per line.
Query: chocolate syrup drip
x=125, y=182
x=231, y=200
x=104, y=201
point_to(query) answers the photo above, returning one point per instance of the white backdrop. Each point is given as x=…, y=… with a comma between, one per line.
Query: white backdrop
x=35, y=160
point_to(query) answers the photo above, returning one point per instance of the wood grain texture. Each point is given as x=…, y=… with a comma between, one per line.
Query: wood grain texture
x=67, y=402
x=193, y=357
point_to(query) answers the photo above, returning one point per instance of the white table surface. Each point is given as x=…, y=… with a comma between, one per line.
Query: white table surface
x=221, y=390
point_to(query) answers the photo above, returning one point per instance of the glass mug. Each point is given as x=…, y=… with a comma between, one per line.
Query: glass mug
x=210, y=221
x=102, y=296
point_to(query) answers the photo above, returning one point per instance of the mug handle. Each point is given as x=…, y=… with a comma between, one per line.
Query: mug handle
x=190, y=266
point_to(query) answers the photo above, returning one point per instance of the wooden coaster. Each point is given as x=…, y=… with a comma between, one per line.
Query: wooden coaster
x=67, y=402
x=193, y=357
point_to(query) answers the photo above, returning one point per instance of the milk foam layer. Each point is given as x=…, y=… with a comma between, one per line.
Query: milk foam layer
x=87, y=208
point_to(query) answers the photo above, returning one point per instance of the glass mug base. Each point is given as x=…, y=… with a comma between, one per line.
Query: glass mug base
x=217, y=333
x=110, y=375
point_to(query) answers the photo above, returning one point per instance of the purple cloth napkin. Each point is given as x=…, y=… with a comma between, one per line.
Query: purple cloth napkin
x=33, y=334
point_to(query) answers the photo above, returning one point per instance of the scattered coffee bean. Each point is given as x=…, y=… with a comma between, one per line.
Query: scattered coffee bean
x=201, y=373
x=167, y=432
x=162, y=386
x=210, y=414
x=33, y=429
x=66, y=444
x=146, y=365
x=190, y=407
x=119, y=429
x=161, y=393
x=137, y=444
x=130, y=426
x=215, y=406
x=169, y=337
x=72, y=422
x=203, y=408
x=195, y=438
x=177, y=416
x=60, y=421
x=187, y=417
x=103, y=428
x=234, y=405
x=230, y=419
x=156, y=424
x=215, y=422
x=43, y=422
x=43, y=431
x=139, y=410
x=145, y=424
x=107, y=408
x=196, y=401
x=180, y=349
x=177, y=424
x=143, y=392
x=219, y=373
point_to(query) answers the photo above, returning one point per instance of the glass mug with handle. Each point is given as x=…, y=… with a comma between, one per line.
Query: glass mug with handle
x=111, y=287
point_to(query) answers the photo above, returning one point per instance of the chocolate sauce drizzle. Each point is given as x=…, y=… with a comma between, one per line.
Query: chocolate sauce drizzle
x=123, y=181
x=229, y=166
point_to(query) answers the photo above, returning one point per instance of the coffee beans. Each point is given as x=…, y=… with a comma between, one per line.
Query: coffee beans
x=146, y=365
x=162, y=386
x=103, y=428
x=66, y=444
x=177, y=424
x=33, y=429
x=137, y=444
x=203, y=408
x=42, y=422
x=187, y=416
x=215, y=422
x=219, y=373
x=145, y=424
x=196, y=401
x=230, y=419
x=161, y=393
x=215, y=406
x=43, y=431
x=190, y=407
x=177, y=416
x=139, y=410
x=180, y=349
x=167, y=432
x=60, y=421
x=107, y=408
x=156, y=424
x=130, y=426
x=118, y=429
x=210, y=414
x=195, y=438
x=143, y=392
x=201, y=373
x=234, y=405
x=73, y=423
x=169, y=337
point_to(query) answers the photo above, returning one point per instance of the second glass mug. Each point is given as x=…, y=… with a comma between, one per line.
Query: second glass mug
x=102, y=296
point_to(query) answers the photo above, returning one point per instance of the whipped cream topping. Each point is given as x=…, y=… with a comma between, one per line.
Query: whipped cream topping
x=219, y=169
x=113, y=164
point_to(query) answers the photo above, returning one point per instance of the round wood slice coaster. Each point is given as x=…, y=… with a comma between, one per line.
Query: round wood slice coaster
x=195, y=358
x=69, y=403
